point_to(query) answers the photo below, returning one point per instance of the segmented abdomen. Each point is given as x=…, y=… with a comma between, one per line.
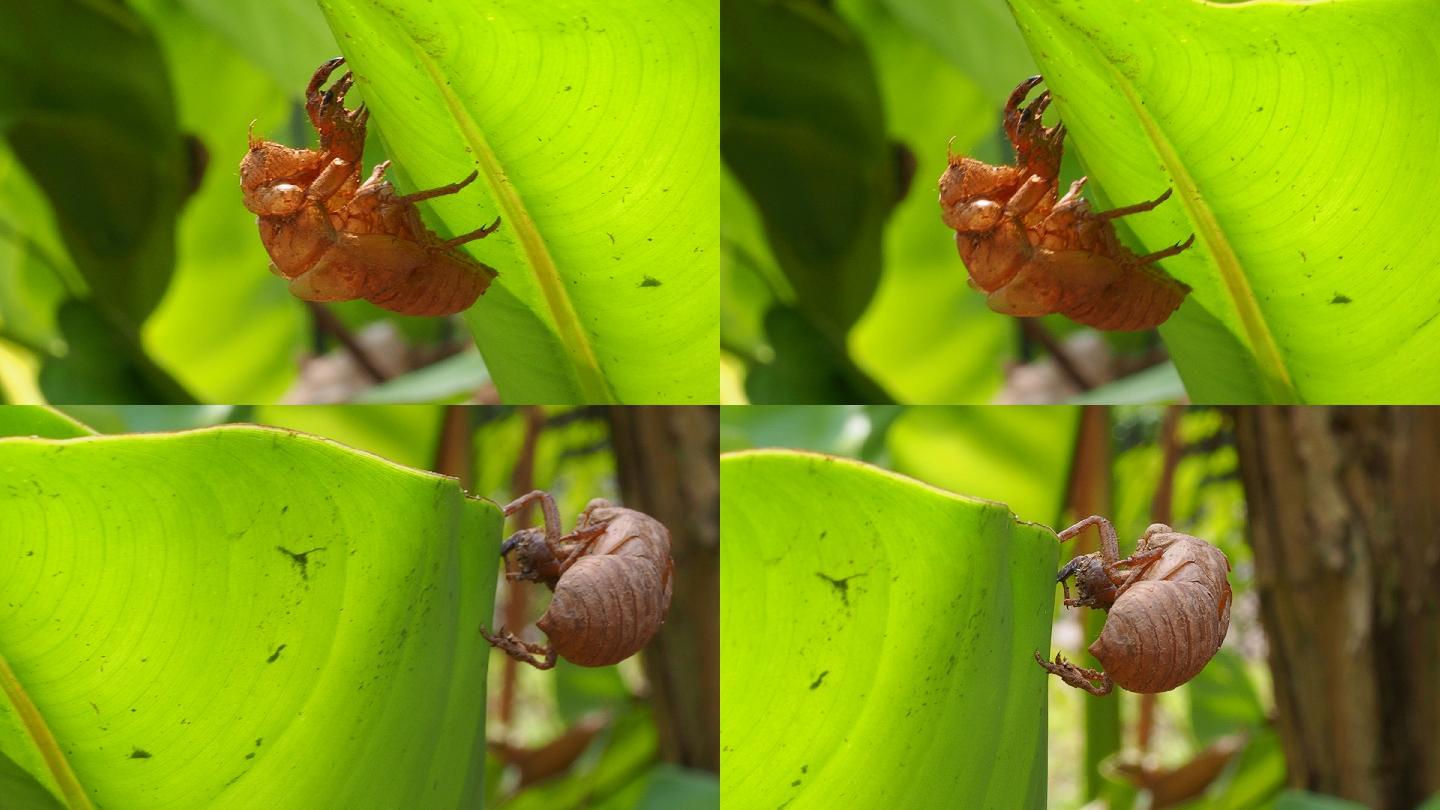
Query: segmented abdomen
x=1159, y=634
x=606, y=607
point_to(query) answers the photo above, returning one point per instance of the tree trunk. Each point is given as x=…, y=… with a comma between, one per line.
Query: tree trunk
x=668, y=463
x=1344, y=510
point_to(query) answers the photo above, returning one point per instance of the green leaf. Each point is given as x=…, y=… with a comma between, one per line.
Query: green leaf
x=1156, y=384
x=926, y=336
x=594, y=132
x=1288, y=131
x=103, y=362
x=674, y=788
x=454, y=379
x=1017, y=455
x=102, y=144
x=877, y=639
x=1222, y=700
x=227, y=327
x=35, y=420
x=803, y=131
x=1305, y=800
x=241, y=616
x=810, y=367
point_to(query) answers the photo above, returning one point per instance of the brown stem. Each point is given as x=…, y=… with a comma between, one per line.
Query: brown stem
x=517, y=592
x=455, y=452
x=326, y=322
x=1033, y=330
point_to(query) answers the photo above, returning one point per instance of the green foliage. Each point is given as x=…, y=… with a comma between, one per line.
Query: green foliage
x=877, y=639
x=1020, y=455
x=105, y=150
x=803, y=131
x=33, y=420
x=241, y=615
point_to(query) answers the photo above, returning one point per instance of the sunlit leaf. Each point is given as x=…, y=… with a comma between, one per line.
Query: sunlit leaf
x=877, y=640
x=594, y=130
x=1287, y=131
x=240, y=617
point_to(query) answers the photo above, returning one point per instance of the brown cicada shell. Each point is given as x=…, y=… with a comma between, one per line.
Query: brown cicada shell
x=1169, y=606
x=1034, y=253
x=338, y=239
x=611, y=578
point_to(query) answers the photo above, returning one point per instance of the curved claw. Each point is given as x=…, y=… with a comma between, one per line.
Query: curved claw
x=338, y=89
x=341, y=131
x=313, y=99
x=1077, y=676
x=1037, y=149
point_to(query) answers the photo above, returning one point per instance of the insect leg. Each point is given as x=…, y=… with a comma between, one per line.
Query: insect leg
x=1073, y=195
x=330, y=180
x=1029, y=195
x=479, y=233
x=1109, y=542
x=1076, y=676
x=547, y=506
x=1013, y=112
x=1134, y=209
x=377, y=176
x=1138, y=563
x=523, y=651
x=313, y=96
x=1167, y=252
x=440, y=191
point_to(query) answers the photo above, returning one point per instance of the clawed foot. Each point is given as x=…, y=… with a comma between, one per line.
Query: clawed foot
x=1077, y=676
x=1037, y=148
x=1167, y=252
x=342, y=131
x=524, y=651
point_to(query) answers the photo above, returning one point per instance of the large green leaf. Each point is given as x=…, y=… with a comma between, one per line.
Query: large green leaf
x=877, y=640
x=240, y=616
x=595, y=132
x=1295, y=136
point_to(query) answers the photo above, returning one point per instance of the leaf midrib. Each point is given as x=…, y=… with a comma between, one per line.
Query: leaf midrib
x=592, y=382
x=45, y=743
x=1274, y=375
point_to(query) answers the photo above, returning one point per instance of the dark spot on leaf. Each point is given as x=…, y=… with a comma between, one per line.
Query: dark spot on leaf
x=250, y=755
x=650, y=281
x=139, y=753
x=1340, y=299
x=840, y=585
x=300, y=559
x=275, y=656
x=816, y=684
x=796, y=783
